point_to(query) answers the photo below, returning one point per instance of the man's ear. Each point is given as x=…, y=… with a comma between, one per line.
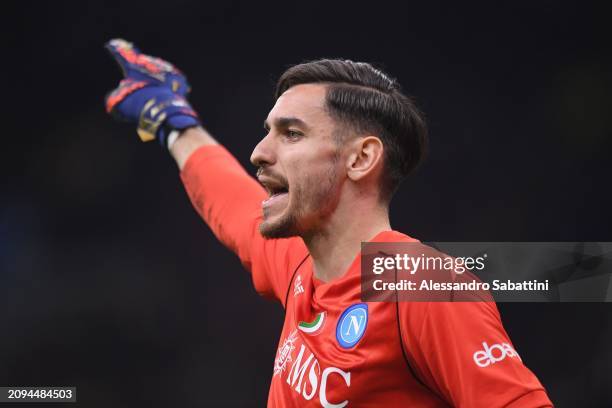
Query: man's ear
x=366, y=153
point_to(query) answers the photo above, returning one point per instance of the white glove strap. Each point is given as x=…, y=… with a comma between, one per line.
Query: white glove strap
x=172, y=138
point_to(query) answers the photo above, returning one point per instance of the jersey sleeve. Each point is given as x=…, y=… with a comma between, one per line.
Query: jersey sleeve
x=229, y=201
x=462, y=353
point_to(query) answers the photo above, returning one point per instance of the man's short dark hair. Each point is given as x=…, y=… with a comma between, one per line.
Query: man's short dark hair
x=371, y=102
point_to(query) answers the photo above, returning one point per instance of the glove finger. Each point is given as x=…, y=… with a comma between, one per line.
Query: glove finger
x=135, y=64
x=117, y=95
x=123, y=52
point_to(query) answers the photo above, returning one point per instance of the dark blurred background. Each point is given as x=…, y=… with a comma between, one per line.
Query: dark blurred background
x=110, y=282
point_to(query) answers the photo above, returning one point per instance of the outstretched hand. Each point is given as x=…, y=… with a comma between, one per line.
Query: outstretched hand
x=151, y=95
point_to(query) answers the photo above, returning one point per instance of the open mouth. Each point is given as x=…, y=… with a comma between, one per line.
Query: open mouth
x=276, y=191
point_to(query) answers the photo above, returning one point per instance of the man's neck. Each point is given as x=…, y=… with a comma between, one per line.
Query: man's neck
x=334, y=248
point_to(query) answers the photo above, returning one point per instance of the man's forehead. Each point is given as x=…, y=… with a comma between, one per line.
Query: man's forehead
x=301, y=101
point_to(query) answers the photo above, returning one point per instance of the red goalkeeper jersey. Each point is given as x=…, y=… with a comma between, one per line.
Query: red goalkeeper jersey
x=337, y=351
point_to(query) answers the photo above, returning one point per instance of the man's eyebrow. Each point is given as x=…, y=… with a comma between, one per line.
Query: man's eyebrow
x=285, y=122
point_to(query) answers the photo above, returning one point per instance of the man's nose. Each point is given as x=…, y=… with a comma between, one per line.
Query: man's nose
x=263, y=154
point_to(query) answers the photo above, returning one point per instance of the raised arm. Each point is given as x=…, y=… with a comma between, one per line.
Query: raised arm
x=188, y=142
x=153, y=95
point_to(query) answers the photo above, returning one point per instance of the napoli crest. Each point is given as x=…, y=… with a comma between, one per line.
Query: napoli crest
x=352, y=325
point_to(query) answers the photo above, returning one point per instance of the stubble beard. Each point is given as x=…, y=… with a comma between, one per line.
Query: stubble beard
x=285, y=227
x=310, y=209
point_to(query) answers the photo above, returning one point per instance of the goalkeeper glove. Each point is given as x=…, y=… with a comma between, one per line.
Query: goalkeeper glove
x=152, y=94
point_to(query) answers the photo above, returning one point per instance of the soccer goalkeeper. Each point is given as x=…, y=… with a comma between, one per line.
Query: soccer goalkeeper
x=340, y=139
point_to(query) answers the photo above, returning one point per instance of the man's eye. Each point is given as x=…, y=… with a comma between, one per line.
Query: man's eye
x=293, y=134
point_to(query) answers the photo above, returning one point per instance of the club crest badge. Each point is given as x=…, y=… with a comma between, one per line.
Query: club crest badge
x=352, y=325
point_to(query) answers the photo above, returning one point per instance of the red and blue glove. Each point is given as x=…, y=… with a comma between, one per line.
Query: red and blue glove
x=152, y=94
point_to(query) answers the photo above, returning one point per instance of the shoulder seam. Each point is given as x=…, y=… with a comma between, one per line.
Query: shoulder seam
x=291, y=280
x=401, y=340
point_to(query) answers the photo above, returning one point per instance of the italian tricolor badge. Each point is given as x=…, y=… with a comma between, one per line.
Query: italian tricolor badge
x=313, y=326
